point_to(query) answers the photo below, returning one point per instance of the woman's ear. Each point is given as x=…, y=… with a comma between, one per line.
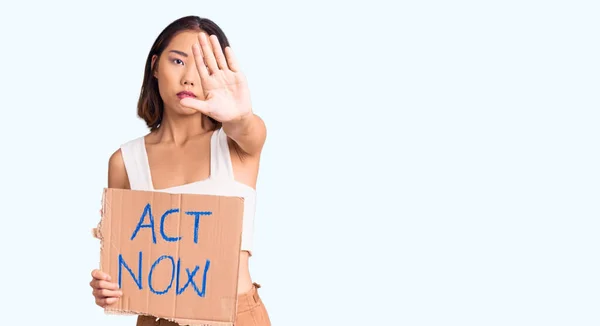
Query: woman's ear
x=154, y=57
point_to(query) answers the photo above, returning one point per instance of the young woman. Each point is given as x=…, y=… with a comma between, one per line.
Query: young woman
x=204, y=139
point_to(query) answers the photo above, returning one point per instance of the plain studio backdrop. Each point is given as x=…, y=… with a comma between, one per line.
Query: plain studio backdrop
x=427, y=162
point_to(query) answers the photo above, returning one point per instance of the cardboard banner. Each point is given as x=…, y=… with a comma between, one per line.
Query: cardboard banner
x=175, y=256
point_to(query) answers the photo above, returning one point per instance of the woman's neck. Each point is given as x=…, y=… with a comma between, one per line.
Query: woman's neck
x=178, y=129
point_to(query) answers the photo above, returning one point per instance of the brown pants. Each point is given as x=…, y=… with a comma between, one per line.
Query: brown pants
x=250, y=312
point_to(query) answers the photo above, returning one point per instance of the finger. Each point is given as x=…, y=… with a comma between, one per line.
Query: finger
x=98, y=284
x=100, y=275
x=209, y=57
x=200, y=65
x=231, y=60
x=219, y=56
x=104, y=293
x=196, y=104
x=103, y=302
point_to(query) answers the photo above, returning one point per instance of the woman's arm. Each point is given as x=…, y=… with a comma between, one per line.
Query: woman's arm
x=105, y=290
x=117, y=175
x=248, y=132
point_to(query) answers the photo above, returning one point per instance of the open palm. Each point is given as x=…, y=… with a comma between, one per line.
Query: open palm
x=227, y=97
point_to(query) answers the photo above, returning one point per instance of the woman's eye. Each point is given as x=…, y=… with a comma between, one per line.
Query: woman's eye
x=178, y=61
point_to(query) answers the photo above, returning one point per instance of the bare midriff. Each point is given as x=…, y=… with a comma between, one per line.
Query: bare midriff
x=244, y=279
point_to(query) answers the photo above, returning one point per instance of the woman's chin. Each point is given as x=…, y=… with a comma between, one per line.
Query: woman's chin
x=184, y=110
x=188, y=111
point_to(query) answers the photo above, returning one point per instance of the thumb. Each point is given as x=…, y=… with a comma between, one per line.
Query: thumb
x=196, y=104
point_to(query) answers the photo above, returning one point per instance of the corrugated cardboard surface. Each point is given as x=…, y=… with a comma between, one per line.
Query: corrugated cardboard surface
x=188, y=246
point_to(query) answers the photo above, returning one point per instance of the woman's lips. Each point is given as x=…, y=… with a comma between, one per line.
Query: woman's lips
x=185, y=94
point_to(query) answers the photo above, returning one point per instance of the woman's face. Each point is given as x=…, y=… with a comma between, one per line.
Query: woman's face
x=177, y=73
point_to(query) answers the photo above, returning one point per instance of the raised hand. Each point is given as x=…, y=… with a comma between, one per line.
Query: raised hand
x=225, y=86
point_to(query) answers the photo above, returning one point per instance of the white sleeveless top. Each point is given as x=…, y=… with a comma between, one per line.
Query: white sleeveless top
x=221, y=181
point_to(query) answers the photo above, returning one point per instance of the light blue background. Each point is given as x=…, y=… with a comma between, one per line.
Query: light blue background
x=428, y=162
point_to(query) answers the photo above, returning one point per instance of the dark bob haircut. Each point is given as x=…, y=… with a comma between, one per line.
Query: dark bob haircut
x=150, y=105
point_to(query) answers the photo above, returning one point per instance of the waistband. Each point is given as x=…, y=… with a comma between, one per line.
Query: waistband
x=245, y=302
x=249, y=300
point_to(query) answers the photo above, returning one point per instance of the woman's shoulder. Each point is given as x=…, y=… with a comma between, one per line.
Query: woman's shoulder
x=128, y=145
x=116, y=163
x=133, y=141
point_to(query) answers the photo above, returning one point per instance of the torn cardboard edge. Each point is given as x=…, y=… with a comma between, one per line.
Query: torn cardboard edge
x=183, y=322
x=97, y=232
